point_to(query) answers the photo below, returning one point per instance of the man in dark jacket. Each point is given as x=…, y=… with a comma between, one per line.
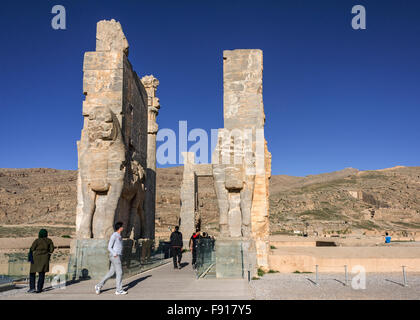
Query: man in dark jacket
x=176, y=247
x=193, y=247
x=41, y=251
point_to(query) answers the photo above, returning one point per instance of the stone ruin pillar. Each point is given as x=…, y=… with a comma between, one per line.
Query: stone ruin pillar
x=242, y=167
x=151, y=83
x=112, y=153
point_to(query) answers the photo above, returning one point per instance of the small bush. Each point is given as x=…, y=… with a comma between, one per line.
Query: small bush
x=273, y=247
x=272, y=271
x=260, y=272
x=66, y=236
x=255, y=278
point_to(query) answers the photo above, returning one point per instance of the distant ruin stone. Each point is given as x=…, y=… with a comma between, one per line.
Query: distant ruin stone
x=187, y=197
x=190, y=219
x=113, y=149
x=110, y=37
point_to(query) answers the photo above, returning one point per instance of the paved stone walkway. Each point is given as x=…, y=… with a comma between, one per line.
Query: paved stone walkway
x=161, y=283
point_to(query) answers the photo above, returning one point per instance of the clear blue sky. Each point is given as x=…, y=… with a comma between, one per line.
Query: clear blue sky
x=334, y=97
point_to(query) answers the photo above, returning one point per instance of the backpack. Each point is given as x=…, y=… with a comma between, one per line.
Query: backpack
x=176, y=239
x=30, y=256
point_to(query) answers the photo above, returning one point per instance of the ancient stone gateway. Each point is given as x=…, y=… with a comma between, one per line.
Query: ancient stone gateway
x=189, y=216
x=117, y=149
x=241, y=168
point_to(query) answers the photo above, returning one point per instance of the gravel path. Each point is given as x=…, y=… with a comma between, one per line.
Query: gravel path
x=331, y=287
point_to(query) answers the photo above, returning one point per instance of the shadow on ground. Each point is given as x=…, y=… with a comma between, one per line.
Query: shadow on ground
x=129, y=285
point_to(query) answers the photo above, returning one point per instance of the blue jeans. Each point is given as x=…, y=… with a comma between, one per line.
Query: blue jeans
x=115, y=268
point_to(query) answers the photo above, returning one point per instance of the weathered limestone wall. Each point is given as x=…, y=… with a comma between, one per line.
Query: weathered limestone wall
x=241, y=168
x=241, y=161
x=259, y=212
x=113, y=146
x=203, y=170
x=242, y=89
x=188, y=198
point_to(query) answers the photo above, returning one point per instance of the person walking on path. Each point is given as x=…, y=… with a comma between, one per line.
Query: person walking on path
x=115, y=249
x=193, y=247
x=39, y=256
x=176, y=247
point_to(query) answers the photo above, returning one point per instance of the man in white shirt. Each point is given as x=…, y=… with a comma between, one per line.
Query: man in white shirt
x=115, y=249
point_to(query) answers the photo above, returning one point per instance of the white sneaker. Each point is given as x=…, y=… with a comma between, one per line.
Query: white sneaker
x=97, y=289
x=120, y=292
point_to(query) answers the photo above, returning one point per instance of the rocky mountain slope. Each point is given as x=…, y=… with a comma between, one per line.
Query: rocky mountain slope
x=33, y=196
x=346, y=201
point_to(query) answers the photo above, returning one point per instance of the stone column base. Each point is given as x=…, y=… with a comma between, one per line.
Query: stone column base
x=234, y=257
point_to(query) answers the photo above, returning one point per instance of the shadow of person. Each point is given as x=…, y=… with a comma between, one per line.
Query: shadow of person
x=47, y=289
x=84, y=276
x=135, y=282
x=183, y=264
x=130, y=284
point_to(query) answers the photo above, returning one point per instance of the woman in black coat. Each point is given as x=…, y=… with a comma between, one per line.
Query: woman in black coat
x=41, y=251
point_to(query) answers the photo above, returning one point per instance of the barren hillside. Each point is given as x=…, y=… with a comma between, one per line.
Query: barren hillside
x=339, y=202
x=347, y=201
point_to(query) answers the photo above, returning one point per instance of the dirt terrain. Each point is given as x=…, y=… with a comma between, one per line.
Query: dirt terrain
x=347, y=201
x=342, y=202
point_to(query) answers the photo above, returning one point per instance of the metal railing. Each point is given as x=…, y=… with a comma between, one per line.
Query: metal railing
x=403, y=281
x=339, y=269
